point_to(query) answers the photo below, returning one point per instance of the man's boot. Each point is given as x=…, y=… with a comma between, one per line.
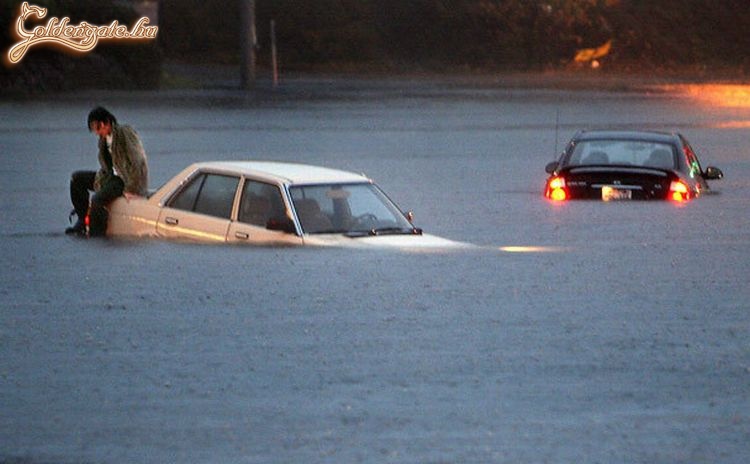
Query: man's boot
x=98, y=216
x=79, y=228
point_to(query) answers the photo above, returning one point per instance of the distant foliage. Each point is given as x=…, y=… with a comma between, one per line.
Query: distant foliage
x=439, y=34
x=674, y=33
x=200, y=30
x=436, y=35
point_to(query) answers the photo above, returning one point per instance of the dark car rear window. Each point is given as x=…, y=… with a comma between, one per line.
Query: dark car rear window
x=623, y=153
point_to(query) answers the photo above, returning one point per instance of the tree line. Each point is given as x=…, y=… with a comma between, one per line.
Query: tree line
x=477, y=34
x=395, y=35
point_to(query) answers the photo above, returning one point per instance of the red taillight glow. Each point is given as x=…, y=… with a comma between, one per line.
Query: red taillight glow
x=556, y=189
x=557, y=183
x=558, y=195
x=678, y=191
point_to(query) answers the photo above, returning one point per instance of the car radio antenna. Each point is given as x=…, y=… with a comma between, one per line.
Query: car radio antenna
x=557, y=130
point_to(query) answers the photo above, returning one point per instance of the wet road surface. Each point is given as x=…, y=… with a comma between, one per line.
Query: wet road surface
x=582, y=332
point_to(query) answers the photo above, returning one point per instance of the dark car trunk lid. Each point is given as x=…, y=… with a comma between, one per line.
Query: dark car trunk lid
x=615, y=182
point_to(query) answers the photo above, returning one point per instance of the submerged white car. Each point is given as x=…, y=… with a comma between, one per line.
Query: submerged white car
x=270, y=203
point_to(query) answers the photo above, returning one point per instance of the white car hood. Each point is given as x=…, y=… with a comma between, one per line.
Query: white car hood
x=405, y=242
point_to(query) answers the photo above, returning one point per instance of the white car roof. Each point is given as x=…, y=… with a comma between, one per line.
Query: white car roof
x=290, y=173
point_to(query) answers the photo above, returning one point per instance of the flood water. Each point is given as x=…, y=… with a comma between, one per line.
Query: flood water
x=582, y=332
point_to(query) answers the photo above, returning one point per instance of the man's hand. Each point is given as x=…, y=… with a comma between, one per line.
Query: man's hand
x=129, y=196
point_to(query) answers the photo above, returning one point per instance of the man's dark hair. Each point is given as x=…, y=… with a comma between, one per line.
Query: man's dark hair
x=100, y=114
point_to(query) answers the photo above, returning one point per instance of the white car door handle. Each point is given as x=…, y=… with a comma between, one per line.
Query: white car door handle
x=171, y=221
x=242, y=235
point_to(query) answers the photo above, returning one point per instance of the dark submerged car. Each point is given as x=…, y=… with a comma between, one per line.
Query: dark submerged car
x=628, y=165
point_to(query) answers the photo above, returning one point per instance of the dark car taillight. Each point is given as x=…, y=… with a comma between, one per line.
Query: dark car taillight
x=556, y=190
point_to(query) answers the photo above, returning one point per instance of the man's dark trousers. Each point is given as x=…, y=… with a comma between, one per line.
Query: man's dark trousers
x=81, y=182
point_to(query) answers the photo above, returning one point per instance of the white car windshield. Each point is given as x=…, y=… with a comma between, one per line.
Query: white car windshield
x=623, y=153
x=354, y=209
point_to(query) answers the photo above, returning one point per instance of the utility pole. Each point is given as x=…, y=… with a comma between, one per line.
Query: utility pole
x=248, y=41
x=274, y=58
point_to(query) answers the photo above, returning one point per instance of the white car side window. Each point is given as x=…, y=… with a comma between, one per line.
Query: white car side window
x=210, y=194
x=260, y=203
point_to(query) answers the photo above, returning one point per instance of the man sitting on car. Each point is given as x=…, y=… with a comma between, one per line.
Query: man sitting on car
x=123, y=171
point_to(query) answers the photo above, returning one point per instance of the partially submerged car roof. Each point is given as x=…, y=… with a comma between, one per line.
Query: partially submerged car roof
x=648, y=136
x=290, y=173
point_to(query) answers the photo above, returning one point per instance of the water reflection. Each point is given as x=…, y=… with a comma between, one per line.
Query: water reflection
x=532, y=249
x=743, y=124
x=722, y=95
